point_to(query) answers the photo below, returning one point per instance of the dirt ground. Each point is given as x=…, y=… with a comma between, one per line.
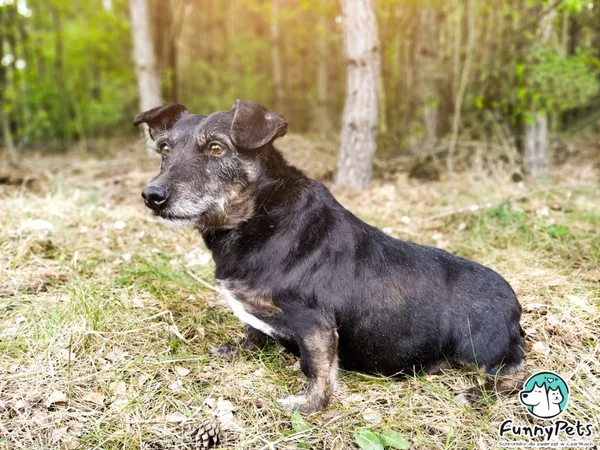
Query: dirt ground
x=107, y=315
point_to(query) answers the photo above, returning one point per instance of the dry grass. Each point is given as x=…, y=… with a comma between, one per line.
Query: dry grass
x=104, y=338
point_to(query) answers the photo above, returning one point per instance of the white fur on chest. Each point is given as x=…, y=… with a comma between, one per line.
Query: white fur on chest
x=240, y=312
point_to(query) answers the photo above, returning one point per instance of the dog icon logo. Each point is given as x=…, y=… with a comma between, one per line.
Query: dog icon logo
x=545, y=395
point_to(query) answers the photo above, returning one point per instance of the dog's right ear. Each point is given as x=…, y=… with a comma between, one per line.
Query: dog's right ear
x=160, y=118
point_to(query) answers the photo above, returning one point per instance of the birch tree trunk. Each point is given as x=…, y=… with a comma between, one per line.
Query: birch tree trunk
x=144, y=57
x=535, y=139
x=359, y=120
x=321, y=122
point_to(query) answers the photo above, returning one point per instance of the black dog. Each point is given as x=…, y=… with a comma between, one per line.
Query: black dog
x=298, y=267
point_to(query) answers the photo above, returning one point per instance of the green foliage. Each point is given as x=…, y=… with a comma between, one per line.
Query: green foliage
x=75, y=78
x=367, y=440
x=370, y=440
x=551, y=82
x=393, y=439
x=298, y=423
x=67, y=71
x=573, y=6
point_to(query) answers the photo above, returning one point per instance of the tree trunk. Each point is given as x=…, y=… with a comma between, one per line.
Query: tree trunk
x=144, y=57
x=427, y=57
x=460, y=95
x=359, y=120
x=276, y=57
x=321, y=122
x=536, y=152
x=537, y=157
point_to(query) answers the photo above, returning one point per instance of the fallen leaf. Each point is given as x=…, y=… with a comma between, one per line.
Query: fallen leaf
x=371, y=416
x=577, y=301
x=119, y=404
x=540, y=347
x=142, y=379
x=224, y=412
x=94, y=397
x=352, y=398
x=119, y=388
x=176, y=385
x=116, y=355
x=56, y=397
x=176, y=417
x=20, y=404
x=181, y=371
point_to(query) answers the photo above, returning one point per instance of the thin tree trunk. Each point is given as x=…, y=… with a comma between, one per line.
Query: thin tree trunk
x=536, y=151
x=427, y=51
x=9, y=143
x=321, y=121
x=359, y=122
x=276, y=57
x=460, y=95
x=144, y=57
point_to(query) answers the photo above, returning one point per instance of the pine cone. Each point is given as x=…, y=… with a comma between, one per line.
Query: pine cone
x=207, y=435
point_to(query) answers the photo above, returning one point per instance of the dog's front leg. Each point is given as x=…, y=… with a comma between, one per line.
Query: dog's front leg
x=319, y=362
x=253, y=340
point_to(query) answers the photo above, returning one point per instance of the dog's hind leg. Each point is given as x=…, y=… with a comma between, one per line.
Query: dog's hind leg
x=319, y=361
x=506, y=381
x=253, y=340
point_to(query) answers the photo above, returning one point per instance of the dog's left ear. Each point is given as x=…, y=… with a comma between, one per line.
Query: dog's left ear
x=161, y=117
x=254, y=126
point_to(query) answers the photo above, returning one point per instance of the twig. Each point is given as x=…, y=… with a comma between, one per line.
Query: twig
x=464, y=79
x=474, y=208
x=135, y=330
x=196, y=278
x=291, y=437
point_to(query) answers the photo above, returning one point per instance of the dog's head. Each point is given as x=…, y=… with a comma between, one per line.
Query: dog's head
x=210, y=164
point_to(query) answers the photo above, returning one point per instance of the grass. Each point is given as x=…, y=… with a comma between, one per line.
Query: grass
x=105, y=339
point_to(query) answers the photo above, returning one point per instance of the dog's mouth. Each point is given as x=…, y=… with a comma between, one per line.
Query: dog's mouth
x=175, y=217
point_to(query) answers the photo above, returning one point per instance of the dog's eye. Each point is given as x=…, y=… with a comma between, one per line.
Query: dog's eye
x=216, y=149
x=164, y=149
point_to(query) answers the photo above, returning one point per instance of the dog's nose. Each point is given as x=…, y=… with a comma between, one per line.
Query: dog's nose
x=524, y=395
x=155, y=196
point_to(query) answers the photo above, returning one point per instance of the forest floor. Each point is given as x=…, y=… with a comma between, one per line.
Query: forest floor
x=105, y=331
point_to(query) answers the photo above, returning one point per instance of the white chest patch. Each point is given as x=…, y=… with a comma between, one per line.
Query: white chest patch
x=239, y=311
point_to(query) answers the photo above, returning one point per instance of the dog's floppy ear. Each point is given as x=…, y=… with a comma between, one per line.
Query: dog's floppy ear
x=254, y=126
x=161, y=117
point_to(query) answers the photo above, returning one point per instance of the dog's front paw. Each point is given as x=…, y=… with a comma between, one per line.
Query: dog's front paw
x=225, y=351
x=301, y=403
